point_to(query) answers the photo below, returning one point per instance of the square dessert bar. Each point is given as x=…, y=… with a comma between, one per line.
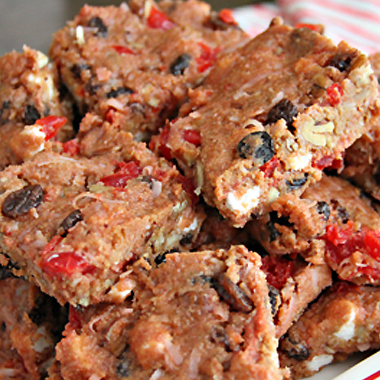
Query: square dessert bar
x=74, y=225
x=31, y=112
x=134, y=64
x=269, y=117
x=331, y=222
x=362, y=159
x=198, y=315
x=31, y=325
x=293, y=285
x=344, y=320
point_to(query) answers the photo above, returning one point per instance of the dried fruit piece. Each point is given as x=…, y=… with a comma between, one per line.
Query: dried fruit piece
x=119, y=91
x=159, y=20
x=232, y=294
x=334, y=94
x=257, y=146
x=97, y=22
x=126, y=172
x=19, y=202
x=296, y=351
x=51, y=125
x=180, y=64
x=323, y=208
x=192, y=136
x=284, y=109
x=66, y=263
x=207, y=57
x=31, y=115
x=296, y=183
x=341, y=62
x=69, y=222
x=122, y=49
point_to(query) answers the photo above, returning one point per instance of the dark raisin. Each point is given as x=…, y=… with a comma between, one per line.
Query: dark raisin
x=3, y=327
x=297, y=351
x=284, y=109
x=78, y=68
x=273, y=232
x=123, y=367
x=19, y=202
x=5, y=273
x=160, y=259
x=342, y=213
x=31, y=115
x=274, y=299
x=97, y=22
x=219, y=335
x=323, y=208
x=37, y=314
x=187, y=239
x=232, y=294
x=179, y=65
x=341, y=61
x=257, y=146
x=69, y=222
x=296, y=183
x=119, y=91
x=6, y=105
x=92, y=87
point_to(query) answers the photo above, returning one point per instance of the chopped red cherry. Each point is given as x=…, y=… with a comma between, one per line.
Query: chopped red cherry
x=329, y=162
x=75, y=320
x=189, y=187
x=126, y=172
x=164, y=138
x=71, y=147
x=51, y=125
x=51, y=245
x=159, y=20
x=315, y=27
x=66, y=263
x=207, y=57
x=226, y=16
x=372, y=243
x=277, y=270
x=334, y=94
x=339, y=235
x=122, y=49
x=192, y=136
x=269, y=167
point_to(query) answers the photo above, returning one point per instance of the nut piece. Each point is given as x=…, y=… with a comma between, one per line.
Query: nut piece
x=313, y=133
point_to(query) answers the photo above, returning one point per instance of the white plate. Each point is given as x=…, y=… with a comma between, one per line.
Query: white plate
x=350, y=369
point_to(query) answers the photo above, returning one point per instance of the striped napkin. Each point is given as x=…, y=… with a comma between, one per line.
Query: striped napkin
x=356, y=21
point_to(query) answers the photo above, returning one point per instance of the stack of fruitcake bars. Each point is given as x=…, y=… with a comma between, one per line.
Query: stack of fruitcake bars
x=175, y=200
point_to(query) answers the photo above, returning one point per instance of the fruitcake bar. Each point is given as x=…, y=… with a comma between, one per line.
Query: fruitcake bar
x=344, y=320
x=134, y=64
x=269, y=117
x=198, y=315
x=31, y=323
x=346, y=235
x=74, y=225
x=362, y=160
x=31, y=113
x=294, y=284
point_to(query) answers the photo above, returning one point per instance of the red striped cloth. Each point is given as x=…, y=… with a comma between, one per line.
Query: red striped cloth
x=356, y=21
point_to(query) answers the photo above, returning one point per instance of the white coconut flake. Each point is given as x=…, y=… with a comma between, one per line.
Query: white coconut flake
x=246, y=202
x=319, y=361
x=79, y=34
x=156, y=188
x=298, y=161
x=157, y=374
x=347, y=330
